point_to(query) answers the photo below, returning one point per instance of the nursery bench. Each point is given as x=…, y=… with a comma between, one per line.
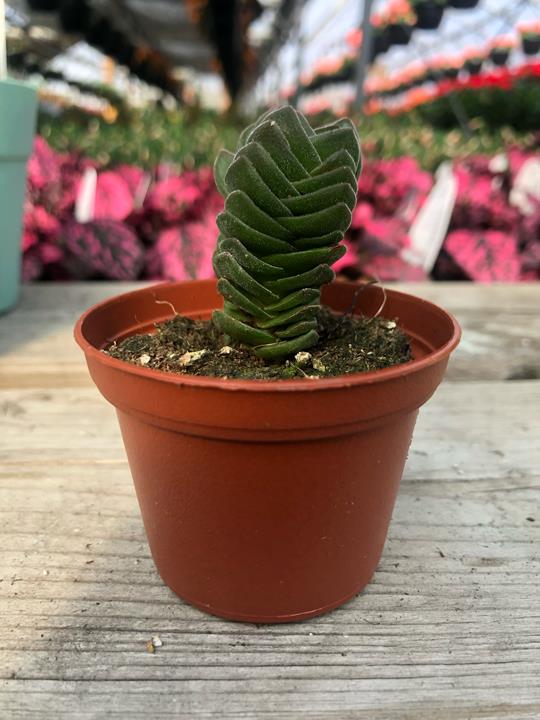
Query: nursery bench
x=448, y=629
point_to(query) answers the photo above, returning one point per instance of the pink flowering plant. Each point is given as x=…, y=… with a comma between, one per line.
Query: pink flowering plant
x=161, y=224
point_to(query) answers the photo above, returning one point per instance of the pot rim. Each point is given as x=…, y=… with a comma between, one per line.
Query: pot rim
x=256, y=385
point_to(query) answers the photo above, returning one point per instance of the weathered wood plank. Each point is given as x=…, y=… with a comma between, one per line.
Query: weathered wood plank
x=501, y=331
x=372, y=700
x=37, y=349
x=448, y=629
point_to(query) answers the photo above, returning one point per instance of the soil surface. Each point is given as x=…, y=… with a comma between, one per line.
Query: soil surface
x=347, y=344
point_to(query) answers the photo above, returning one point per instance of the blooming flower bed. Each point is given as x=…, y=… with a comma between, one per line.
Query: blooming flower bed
x=161, y=224
x=406, y=90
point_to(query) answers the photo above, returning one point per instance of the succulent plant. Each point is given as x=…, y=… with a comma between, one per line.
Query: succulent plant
x=289, y=193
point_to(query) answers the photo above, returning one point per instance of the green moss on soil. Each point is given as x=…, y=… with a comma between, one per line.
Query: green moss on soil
x=347, y=345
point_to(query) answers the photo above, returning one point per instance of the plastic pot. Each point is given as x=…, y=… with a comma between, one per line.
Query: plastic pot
x=400, y=34
x=428, y=15
x=530, y=45
x=345, y=74
x=499, y=57
x=18, y=104
x=463, y=4
x=473, y=67
x=265, y=501
x=381, y=42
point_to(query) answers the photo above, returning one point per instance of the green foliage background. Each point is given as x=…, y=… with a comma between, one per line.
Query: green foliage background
x=191, y=137
x=518, y=108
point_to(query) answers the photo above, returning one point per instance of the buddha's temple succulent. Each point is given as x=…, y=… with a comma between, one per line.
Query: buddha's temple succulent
x=289, y=192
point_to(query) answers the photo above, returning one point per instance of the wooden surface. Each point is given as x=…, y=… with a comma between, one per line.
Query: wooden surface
x=449, y=629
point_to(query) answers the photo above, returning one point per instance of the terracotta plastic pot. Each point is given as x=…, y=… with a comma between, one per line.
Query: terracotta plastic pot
x=265, y=501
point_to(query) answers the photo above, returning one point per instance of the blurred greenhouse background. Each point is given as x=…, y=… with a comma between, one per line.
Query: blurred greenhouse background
x=137, y=96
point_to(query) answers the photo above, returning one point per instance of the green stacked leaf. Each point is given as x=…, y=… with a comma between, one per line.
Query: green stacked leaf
x=289, y=193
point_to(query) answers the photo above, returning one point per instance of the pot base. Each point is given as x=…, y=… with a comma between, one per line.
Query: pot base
x=270, y=619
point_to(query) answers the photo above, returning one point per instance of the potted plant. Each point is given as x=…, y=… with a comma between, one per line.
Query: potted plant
x=452, y=67
x=268, y=500
x=428, y=13
x=444, y=67
x=472, y=60
x=346, y=71
x=334, y=69
x=501, y=47
x=530, y=37
x=381, y=36
x=401, y=21
x=18, y=106
x=414, y=74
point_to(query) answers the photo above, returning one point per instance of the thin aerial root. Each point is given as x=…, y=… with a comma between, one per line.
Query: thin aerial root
x=362, y=286
x=379, y=311
x=166, y=302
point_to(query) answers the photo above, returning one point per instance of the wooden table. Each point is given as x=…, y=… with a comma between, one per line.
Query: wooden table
x=449, y=629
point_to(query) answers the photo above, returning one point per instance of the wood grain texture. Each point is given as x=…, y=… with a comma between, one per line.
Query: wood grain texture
x=501, y=331
x=449, y=628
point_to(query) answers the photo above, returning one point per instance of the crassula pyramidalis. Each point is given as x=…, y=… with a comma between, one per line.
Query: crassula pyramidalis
x=289, y=193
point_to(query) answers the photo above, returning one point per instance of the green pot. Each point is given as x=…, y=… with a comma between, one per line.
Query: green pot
x=18, y=105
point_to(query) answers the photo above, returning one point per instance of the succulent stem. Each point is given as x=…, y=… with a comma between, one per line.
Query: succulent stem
x=289, y=193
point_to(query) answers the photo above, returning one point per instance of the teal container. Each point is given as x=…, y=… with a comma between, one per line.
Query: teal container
x=18, y=105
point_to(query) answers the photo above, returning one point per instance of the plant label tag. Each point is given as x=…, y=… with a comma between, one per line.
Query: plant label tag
x=429, y=230
x=86, y=197
x=526, y=186
x=142, y=191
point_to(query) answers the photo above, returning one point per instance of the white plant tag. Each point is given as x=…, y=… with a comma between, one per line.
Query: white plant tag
x=142, y=191
x=526, y=186
x=428, y=231
x=86, y=197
